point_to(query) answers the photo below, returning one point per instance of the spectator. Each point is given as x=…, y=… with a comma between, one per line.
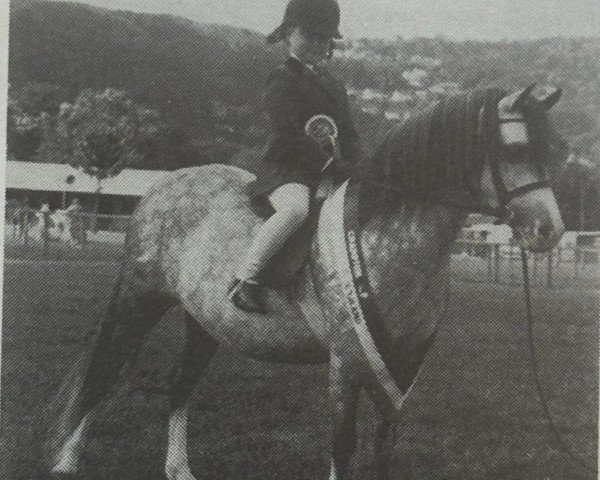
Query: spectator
x=76, y=224
x=44, y=219
x=25, y=217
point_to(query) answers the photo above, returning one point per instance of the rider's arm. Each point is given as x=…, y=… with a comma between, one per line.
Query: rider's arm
x=284, y=106
x=350, y=145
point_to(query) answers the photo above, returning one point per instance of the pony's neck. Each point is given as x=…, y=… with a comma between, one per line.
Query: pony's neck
x=406, y=249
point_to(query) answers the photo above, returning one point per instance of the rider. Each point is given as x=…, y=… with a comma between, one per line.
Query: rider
x=291, y=170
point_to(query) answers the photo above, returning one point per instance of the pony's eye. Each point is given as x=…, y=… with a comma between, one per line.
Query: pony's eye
x=517, y=152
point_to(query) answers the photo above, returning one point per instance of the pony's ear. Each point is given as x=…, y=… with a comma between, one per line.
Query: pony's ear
x=550, y=97
x=515, y=101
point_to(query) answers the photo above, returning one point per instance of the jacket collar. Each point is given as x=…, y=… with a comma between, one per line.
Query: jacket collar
x=324, y=81
x=296, y=65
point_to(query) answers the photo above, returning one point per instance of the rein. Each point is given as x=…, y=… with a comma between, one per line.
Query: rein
x=536, y=374
x=504, y=197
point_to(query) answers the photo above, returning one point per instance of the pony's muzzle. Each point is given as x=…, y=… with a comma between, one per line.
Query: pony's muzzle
x=536, y=221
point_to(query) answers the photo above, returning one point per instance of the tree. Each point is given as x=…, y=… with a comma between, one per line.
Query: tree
x=25, y=132
x=35, y=98
x=106, y=131
x=578, y=189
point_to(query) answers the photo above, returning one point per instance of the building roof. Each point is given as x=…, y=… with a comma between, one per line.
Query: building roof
x=54, y=177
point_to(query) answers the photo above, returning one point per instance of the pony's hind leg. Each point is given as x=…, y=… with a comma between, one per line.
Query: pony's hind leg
x=67, y=460
x=92, y=376
x=68, y=415
x=199, y=350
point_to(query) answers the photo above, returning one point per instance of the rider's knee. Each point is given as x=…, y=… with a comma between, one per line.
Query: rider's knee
x=297, y=212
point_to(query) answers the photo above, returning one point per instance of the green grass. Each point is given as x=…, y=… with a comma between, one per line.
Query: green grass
x=473, y=413
x=54, y=250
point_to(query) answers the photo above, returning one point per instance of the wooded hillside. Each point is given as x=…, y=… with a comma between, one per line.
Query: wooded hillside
x=202, y=84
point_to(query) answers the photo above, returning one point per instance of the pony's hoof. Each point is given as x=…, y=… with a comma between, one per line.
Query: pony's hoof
x=57, y=476
x=179, y=473
x=60, y=476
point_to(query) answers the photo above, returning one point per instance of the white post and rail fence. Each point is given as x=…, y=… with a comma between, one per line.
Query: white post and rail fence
x=62, y=235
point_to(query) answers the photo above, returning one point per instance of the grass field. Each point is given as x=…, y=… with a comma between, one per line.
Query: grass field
x=473, y=413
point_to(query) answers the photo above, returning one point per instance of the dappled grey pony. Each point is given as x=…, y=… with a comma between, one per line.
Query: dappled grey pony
x=484, y=150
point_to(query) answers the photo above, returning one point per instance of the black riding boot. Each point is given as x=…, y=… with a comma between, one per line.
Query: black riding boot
x=246, y=296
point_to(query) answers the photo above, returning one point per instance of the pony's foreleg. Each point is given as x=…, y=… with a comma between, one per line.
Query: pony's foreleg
x=344, y=396
x=199, y=350
x=385, y=439
x=384, y=446
x=177, y=466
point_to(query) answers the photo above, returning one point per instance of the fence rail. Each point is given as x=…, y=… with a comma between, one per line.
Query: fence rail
x=501, y=263
x=60, y=235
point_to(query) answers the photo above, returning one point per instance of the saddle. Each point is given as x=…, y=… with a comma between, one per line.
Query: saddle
x=285, y=268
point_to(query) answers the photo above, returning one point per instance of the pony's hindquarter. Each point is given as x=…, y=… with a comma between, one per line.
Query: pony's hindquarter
x=184, y=240
x=187, y=238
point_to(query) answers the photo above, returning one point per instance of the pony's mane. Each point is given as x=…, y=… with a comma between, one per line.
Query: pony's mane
x=438, y=149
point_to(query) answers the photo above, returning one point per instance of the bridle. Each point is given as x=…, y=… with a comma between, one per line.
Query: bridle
x=503, y=194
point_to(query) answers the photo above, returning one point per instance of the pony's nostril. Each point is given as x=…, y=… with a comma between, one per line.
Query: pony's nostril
x=545, y=230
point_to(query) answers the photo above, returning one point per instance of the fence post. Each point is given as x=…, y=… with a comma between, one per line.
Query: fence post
x=85, y=226
x=25, y=220
x=535, y=266
x=46, y=233
x=576, y=262
x=549, y=269
x=496, y=263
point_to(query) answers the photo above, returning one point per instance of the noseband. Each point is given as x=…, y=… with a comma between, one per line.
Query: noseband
x=503, y=194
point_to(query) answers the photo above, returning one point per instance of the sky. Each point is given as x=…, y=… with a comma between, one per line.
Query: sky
x=455, y=19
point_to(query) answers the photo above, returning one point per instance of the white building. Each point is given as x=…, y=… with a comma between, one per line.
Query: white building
x=445, y=88
x=58, y=184
x=488, y=233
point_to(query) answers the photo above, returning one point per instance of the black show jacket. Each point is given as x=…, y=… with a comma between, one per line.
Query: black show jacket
x=294, y=94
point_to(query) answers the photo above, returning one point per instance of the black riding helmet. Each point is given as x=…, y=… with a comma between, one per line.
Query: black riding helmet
x=318, y=17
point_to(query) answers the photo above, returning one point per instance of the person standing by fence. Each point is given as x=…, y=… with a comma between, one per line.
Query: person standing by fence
x=25, y=217
x=76, y=223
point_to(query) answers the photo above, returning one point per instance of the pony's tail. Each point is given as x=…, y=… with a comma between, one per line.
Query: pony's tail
x=73, y=400
x=88, y=380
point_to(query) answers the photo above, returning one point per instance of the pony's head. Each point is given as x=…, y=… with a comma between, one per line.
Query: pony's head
x=482, y=150
x=521, y=152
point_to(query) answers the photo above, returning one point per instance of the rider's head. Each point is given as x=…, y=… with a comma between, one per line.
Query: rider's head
x=309, y=27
